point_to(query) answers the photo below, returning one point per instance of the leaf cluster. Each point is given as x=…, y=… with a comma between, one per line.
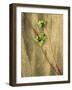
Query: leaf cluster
x=41, y=23
x=41, y=38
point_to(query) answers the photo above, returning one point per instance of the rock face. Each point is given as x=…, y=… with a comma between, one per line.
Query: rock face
x=48, y=59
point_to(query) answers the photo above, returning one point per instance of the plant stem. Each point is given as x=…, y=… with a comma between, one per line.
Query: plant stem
x=53, y=67
x=57, y=67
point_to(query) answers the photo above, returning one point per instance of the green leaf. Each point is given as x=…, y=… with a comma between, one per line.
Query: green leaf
x=41, y=23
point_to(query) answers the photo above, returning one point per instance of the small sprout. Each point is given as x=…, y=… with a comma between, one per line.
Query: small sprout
x=41, y=23
x=41, y=38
